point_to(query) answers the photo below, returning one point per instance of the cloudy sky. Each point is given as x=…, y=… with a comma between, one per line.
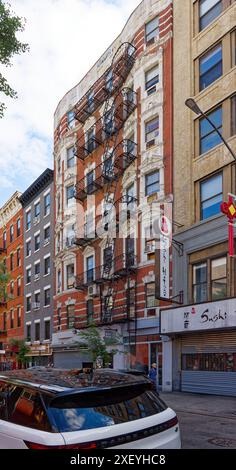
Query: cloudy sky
x=66, y=37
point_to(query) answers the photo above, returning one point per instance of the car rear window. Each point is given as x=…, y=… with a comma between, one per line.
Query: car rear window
x=102, y=409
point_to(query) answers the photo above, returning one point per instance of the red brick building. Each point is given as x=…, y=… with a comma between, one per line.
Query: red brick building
x=113, y=156
x=11, y=255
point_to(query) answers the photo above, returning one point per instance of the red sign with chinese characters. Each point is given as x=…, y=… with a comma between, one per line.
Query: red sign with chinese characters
x=229, y=209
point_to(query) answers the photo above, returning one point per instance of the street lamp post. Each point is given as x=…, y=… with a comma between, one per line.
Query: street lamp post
x=191, y=104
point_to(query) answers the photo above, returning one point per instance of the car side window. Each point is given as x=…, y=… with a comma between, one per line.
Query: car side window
x=3, y=401
x=26, y=409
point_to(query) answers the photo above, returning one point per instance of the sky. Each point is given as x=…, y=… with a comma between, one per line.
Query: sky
x=66, y=37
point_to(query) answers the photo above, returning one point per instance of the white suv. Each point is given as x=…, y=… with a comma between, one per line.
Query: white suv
x=51, y=408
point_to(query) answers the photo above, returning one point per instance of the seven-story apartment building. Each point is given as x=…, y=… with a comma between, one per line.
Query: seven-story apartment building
x=113, y=155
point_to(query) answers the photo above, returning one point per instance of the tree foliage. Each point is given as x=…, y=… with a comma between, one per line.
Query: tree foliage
x=10, y=25
x=97, y=346
x=21, y=350
x=4, y=279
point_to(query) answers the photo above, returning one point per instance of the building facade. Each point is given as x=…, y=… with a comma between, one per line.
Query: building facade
x=38, y=223
x=113, y=155
x=200, y=336
x=11, y=290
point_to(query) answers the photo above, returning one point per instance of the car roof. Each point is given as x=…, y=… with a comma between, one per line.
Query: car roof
x=58, y=381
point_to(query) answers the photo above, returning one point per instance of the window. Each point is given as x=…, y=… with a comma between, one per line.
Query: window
x=151, y=301
x=130, y=257
x=47, y=329
x=47, y=234
x=18, y=317
x=233, y=115
x=90, y=140
x=4, y=321
x=108, y=122
x=90, y=268
x=12, y=288
x=208, y=136
x=130, y=196
x=12, y=319
x=70, y=195
x=208, y=11
x=18, y=227
x=37, y=331
x=58, y=281
x=211, y=194
x=28, y=275
x=18, y=287
x=37, y=270
x=200, y=282
x=70, y=276
x=28, y=220
x=47, y=266
x=59, y=318
x=70, y=316
x=71, y=119
x=4, y=240
x=90, y=311
x=28, y=248
x=152, y=30
x=219, y=278
x=28, y=332
x=90, y=102
x=11, y=233
x=152, y=183
x=47, y=204
x=37, y=242
x=89, y=182
x=37, y=210
x=18, y=260
x=28, y=303
x=151, y=132
x=11, y=262
x=47, y=297
x=37, y=300
x=109, y=81
x=210, y=66
x=70, y=157
x=151, y=78
x=107, y=258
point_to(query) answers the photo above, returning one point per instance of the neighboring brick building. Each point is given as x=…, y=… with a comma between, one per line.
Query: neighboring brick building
x=113, y=137
x=38, y=207
x=200, y=355
x=11, y=253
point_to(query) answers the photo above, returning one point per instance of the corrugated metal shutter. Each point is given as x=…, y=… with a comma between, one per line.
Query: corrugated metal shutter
x=224, y=341
x=214, y=383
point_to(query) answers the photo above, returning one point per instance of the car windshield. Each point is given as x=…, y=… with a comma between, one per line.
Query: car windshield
x=97, y=410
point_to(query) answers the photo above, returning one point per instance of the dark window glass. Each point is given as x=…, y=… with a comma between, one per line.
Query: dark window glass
x=107, y=258
x=18, y=257
x=28, y=304
x=18, y=226
x=4, y=240
x=70, y=195
x=211, y=362
x=59, y=318
x=105, y=409
x=37, y=210
x=28, y=275
x=89, y=181
x=46, y=297
x=90, y=140
x=151, y=78
x=211, y=193
x=219, y=278
x=90, y=268
x=200, y=283
x=37, y=331
x=109, y=80
x=70, y=275
x=47, y=329
x=37, y=268
x=47, y=266
x=47, y=233
x=28, y=220
x=11, y=262
x=18, y=287
x=208, y=11
x=152, y=130
x=90, y=310
x=37, y=242
x=208, y=136
x=28, y=248
x=28, y=333
x=210, y=66
x=12, y=319
x=152, y=183
x=47, y=203
x=71, y=119
x=11, y=233
x=130, y=257
x=18, y=317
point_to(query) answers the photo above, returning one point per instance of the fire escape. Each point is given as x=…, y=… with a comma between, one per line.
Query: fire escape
x=118, y=104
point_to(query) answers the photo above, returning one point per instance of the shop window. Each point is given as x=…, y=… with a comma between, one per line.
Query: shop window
x=210, y=66
x=211, y=196
x=219, y=278
x=200, y=282
x=213, y=362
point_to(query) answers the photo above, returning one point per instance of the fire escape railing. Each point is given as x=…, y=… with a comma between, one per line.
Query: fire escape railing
x=108, y=125
x=107, y=84
x=113, y=269
x=112, y=168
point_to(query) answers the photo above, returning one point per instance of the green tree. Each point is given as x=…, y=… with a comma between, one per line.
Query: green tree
x=21, y=350
x=10, y=25
x=4, y=278
x=97, y=346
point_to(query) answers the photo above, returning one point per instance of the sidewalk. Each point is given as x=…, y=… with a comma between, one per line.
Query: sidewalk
x=206, y=421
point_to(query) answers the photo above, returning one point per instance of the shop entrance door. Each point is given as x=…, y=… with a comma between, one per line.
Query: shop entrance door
x=155, y=355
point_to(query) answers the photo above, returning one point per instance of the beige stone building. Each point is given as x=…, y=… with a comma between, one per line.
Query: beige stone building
x=200, y=348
